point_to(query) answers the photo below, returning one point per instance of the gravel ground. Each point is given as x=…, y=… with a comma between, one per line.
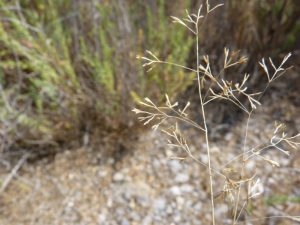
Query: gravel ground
x=144, y=186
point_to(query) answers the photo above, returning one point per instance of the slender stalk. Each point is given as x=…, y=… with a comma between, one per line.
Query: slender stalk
x=206, y=130
x=242, y=171
x=235, y=218
x=229, y=92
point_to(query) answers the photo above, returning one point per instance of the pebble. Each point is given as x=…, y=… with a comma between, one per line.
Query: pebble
x=127, y=196
x=169, y=210
x=156, y=163
x=180, y=202
x=186, y=188
x=204, y=158
x=101, y=218
x=157, y=217
x=132, y=204
x=197, y=206
x=182, y=178
x=125, y=222
x=118, y=177
x=160, y=204
x=102, y=173
x=222, y=210
x=175, y=166
x=228, y=136
x=188, y=204
x=120, y=211
x=147, y=220
x=250, y=165
x=177, y=218
x=135, y=216
x=175, y=190
x=109, y=203
x=111, y=160
x=143, y=201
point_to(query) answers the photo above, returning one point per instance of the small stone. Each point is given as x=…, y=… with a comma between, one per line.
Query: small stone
x=109, y=203
x=175, y=190
x=173, y=204
x=111, y=160
x=118, y=177
x=228, y=136
x=186, y=188
x=101, y=218
x=125, y=222
x=221, y=210
x=160, y=204
x=157, y=217
x=215, y=149
x=204, y=158
x=102, y=173
x=132, y=204
x=147, y=220
x=284, y=162
x=180, y=202
x=169, y=153
x=156, y=163
x=182, y=177
x=250, y=165
x=164, y=161
x=188, y=204
x=125, y=170
x=197, y=206
x=134, y=216
x=127, y=196
x=143, y=201
x=175, y=166
x=70, y=204
x=195, y=174
x=177, y=218
x=120, y=212
x=169, y=210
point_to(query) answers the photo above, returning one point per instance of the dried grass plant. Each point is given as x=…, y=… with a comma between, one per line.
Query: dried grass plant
x=236, y=193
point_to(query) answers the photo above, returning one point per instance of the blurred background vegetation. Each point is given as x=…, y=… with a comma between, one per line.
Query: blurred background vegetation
x=69, y=67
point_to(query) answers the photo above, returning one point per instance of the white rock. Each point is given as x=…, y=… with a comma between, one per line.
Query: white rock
x=175, y=166
x=182, y=177
x=186, y=188
x=147, y=220
x=125, y=222
x=175, y=190
x=109, y=203
x=180, y=202
x=160, y=204
x=101, y=218
x=117, y=177
x=177, y=218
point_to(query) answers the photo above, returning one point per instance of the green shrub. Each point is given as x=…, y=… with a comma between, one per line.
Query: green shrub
x=72, y=64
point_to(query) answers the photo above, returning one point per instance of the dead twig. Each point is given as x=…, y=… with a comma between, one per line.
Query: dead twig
x=13, y=172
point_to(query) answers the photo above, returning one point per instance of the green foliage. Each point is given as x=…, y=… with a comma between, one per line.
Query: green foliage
x=101, y=58
x=171, y=43
x=279, y=17
x=292, y=37
x=35, y=63
x=102, y=63
x=45, y=55
x=37, y=43
x=65, y=55
x=281, y=199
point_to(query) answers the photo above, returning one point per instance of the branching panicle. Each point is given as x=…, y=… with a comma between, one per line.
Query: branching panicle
x=226, y=90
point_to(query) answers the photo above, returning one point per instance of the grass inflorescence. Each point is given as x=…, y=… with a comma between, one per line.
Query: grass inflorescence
x=236, y=193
